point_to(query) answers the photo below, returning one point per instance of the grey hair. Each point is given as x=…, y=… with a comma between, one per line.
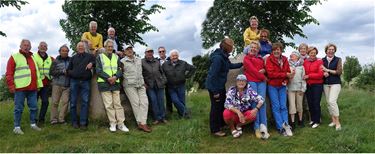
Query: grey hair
x=107, y=41
x=174, y=51
x=92, y=23
x=64, y=46
x=25, y=40
x=111, y=29
x=43, y=42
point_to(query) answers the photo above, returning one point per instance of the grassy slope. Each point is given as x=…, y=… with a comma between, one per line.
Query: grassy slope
x=180, y=135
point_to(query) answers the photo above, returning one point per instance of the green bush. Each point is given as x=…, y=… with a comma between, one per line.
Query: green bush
x=4, y=91
x=366, y=80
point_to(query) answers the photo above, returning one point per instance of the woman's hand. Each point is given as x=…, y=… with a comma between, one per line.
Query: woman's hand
x=254, y=112
x=241, y=117
x=262, y=71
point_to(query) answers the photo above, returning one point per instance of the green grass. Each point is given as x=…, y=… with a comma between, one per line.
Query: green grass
x=357, y=111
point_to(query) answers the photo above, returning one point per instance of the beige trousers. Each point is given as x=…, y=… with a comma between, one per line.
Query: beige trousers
x=59, y=94
x=332, y=93
x=114, y=110
x=295, y=102
x=139, y=102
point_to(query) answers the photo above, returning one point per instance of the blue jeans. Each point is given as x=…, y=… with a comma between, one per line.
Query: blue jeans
x=19, y=100
x=43, y=94
x=156, y=97
x=177, y=94
x=79, y=88
x=278, y=103
x=260, y=88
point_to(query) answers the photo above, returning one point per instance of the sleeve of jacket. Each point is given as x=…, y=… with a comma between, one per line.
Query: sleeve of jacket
x=235, y=65
x=92, y=60
x=246, y=36
x=319, y=74
x=54, y=71
x=9, y=75
x=216, y=65
x=303, y=81
x=190, y=70
x=70, y=67
x=249, y=67
x=230, y=98
x=99, y=69
x=272, y=72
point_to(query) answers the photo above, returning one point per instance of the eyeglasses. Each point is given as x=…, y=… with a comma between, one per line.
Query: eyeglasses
x=161, y=51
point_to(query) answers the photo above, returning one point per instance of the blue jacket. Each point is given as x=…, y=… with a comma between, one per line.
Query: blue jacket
x=218, y=71
x=265, y=48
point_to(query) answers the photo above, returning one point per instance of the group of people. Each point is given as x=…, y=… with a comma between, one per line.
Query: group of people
x=111, y=67
x=267, y=73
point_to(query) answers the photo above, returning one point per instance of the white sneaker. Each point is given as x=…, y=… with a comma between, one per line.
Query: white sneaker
x=35, y=127
x=338, y=127
x=288, y=129
x=112, y=128
x=17, y=130
x=331, y=124
x=264, y=132
x=311, y=123
x=315, y=125
x=123, y=128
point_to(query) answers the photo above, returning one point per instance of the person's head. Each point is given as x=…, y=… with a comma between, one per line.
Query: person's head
x=80, y=47
x=330, y=50
x=253, y=22
x=64, y=51
x=241, y=81
x=254, y=48
x=312, y=52
x=129, y=51
x=174, y=54
x=303, y=49
x=161, y=51
x=294, y=56
x=111, y=32
x=277, y=49
x=25, y=45
x=93, y=26
x=108, y=45
x=149, y=53
x=227, y=45
x=264, y=34
x=43, y=47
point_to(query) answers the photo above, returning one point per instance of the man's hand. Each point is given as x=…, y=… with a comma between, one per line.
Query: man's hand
x=12, y=90
x=89, y=66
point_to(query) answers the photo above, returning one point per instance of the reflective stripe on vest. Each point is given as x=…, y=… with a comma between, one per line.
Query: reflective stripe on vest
x=22, y=73
x=109, y=66
x=44, y=66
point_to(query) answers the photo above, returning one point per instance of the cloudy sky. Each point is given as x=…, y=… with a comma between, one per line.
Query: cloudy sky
x=347, y=23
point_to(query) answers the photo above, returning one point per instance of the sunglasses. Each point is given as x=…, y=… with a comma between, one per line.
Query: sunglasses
x=161, y=51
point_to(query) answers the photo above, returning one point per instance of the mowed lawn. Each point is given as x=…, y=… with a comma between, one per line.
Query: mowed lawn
x=357, y=109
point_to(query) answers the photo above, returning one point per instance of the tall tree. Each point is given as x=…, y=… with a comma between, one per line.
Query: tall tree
x=13, y=3
x=352, y=68
x=231, y=18
x=366, y=80
x=129, y=18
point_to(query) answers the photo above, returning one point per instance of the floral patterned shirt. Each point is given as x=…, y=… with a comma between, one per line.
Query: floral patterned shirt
x=244, y=101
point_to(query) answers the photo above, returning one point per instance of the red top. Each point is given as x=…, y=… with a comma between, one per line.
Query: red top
x=314, y=71
x=11, y=66
x=276, y=72
x=251, y=67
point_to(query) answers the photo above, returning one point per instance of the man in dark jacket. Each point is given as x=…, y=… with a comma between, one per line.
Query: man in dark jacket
x=215, y=83
x=162, y=59
x=155, y=83
x=79, y=71
x=60, y=85
x=176, y=72
x=117, y=47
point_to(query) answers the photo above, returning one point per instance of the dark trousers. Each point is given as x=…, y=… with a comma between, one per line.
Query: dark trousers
x=43, y=95
x=79, y=88
x=168, y=100
x=217, y=109
x=314, y=94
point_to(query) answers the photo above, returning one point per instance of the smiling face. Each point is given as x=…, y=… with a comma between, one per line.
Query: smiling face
x=277, y=52
x=64, y=52
x=42, y=47
x=241, y=84
x=129, y=52
x=109, y=47
x=253, y=49
x=294, y=57
x=93, y=28
x=80, y=47
x=162, y=53
x=111, y=34
x=149, y=54
x=303, y=50
x=313, y=53
x=331, y=51
x=253, y=23
x=25, y=45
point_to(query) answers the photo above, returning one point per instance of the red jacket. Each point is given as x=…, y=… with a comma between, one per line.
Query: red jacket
x=276, y=73
x=314, y=71
x=11, y=69
x=251, y=67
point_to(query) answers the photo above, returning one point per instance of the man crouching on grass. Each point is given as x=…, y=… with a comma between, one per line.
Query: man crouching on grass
x=23, y=80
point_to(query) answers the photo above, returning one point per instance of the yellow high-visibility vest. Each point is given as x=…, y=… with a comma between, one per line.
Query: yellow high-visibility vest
x=109, y=66
x=22, y=73
x=43, y=66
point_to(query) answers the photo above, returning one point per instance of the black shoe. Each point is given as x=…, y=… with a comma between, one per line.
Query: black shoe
x=293, y=125
x=301, y=124
x=75, y=126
